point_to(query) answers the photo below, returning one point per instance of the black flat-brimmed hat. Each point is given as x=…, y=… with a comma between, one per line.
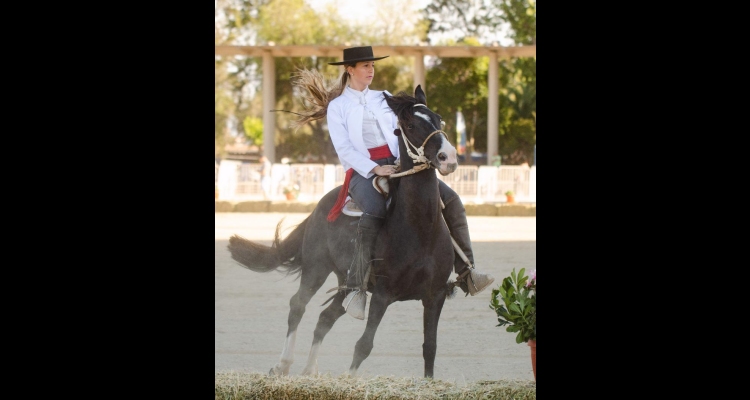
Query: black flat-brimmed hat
x=356, y=54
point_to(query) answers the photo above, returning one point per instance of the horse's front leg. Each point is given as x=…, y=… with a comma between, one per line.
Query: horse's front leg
x=432, y=309
x=362, y=349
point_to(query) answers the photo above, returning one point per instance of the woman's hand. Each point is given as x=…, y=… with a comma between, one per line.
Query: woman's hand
x=384, y=170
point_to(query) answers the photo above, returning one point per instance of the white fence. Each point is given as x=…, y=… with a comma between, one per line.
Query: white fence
x=238, y=181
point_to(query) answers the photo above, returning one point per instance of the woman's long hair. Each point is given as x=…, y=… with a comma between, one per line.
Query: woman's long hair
x=315, y=94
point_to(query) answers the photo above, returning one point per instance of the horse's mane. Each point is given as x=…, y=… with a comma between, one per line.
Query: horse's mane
x=402, y=105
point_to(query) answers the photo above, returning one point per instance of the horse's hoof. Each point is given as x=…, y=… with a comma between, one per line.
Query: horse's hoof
x=311, y=371
x=276, y=371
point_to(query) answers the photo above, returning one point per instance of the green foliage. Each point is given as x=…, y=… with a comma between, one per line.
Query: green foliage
x=521, y=16
x=479, y=19
x=234, y=20
x=517, y=142
x=517, y=125
x=253, y=130
x=515, y=305
x=289, y=22
x=223, y=109
x=479, y=22
x=461, y=84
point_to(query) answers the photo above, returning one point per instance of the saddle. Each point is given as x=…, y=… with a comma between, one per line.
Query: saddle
x=350, y=208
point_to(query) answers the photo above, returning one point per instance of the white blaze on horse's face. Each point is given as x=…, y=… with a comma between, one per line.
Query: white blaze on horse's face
x=447, y=156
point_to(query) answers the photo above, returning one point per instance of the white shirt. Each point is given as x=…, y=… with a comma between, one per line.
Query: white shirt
x=346, y=116
x=371, y=132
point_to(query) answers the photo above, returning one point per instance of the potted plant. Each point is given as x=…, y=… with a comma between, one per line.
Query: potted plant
x=514, y=302
x=510, y=197
x=291, y=191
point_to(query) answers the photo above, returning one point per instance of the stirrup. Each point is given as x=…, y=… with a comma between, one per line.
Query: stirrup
x=475, y=281
x=355, y=303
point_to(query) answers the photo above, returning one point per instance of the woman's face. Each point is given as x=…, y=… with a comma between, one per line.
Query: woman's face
x=361, y=75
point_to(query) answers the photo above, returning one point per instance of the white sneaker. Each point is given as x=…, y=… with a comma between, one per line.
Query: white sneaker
x=354, y=304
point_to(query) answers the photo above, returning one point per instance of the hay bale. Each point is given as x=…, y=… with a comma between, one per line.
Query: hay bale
x=246, y=386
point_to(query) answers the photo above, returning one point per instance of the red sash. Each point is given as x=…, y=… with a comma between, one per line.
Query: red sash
x=375, y=154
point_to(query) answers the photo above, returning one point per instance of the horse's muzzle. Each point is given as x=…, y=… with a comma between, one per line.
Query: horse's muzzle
x=447, y=168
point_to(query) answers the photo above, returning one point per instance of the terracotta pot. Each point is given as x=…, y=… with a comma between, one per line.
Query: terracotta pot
x=290, y=196
x=216, y=194
x=510, y=199
x=532, y=345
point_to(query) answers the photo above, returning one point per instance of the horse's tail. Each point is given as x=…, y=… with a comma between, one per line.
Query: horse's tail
x=282, y=255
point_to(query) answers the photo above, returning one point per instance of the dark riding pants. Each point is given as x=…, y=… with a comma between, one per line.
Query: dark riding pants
x=365, y=195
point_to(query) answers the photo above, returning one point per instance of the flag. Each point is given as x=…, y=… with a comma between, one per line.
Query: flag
x=460, y=133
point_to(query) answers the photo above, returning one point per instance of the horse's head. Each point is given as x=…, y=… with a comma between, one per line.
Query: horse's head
x=421, y=130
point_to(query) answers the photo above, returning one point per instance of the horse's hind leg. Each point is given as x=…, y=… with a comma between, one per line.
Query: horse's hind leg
x=327, y=318
x=309, y=285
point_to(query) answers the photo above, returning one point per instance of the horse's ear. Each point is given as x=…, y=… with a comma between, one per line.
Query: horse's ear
x=419, y=94
x=388, y=100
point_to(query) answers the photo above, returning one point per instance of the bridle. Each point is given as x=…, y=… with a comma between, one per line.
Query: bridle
x=421, y=162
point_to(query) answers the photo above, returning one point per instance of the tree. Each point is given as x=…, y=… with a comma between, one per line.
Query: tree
x=223, y=109
x=232, y=26
x=464, y=19
x=253, y=129
x=518, y=136
x=477, y=22
x=461, y=83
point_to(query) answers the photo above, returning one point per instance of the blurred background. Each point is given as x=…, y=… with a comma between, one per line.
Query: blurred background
x=486, y=93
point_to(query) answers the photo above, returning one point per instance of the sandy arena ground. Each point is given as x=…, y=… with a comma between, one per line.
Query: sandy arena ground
x=251, y=309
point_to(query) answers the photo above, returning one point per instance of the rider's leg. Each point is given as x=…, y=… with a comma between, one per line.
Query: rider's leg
x=470, y=279
x=372, y=204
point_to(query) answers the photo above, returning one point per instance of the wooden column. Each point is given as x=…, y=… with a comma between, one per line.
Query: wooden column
x=269, y=99
x=419, y=71
x=493, y=105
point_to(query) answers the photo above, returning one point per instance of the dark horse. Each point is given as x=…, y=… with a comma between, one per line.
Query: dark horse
x=414, y=256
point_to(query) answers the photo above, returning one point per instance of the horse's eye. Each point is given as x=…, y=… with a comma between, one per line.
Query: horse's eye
x=409, y=126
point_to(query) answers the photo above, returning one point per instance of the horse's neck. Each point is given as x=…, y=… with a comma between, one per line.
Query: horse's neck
x=414, y=221
x=417, y=195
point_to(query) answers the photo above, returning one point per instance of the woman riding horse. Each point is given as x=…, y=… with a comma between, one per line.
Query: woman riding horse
x=363, y=131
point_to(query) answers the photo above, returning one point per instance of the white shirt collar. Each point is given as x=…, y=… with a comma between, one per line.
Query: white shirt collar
x=362, y=96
